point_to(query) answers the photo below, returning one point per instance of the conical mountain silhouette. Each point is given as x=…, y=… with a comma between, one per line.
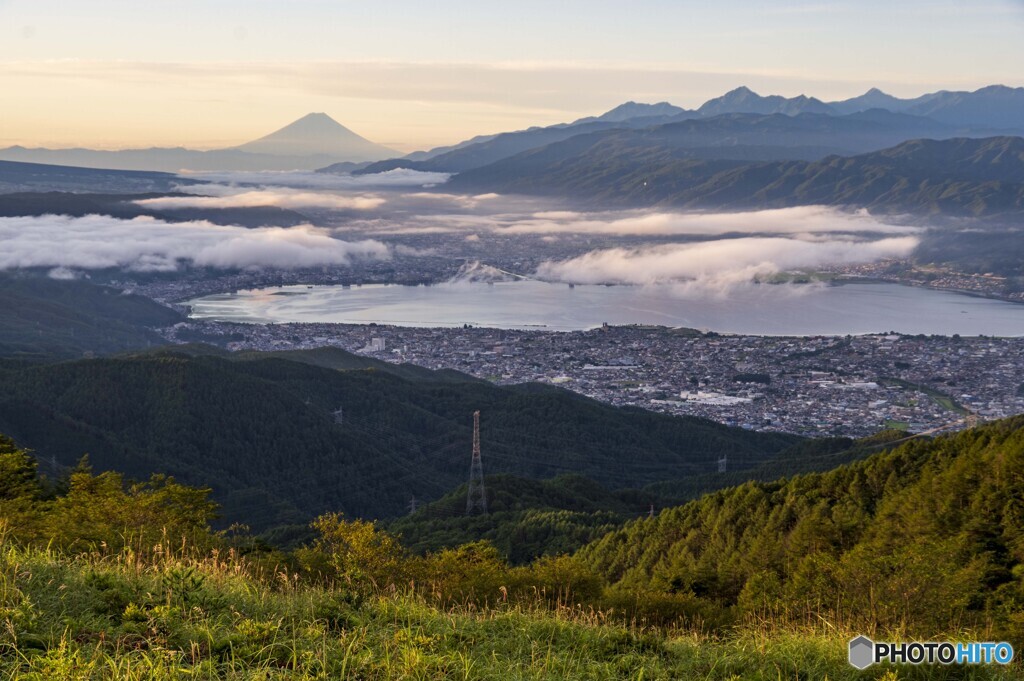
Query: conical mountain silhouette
x=318, y=134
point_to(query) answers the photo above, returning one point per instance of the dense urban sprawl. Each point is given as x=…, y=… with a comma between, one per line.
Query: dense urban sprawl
x=852, y=386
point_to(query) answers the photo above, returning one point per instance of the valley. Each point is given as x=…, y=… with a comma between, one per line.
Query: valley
x=620, y=342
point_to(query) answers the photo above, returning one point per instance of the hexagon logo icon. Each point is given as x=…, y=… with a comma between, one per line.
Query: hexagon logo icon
x=862, y=652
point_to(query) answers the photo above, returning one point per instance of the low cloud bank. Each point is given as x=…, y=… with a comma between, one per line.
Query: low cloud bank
x=278, y=198
x=400, y=177
x=425, y=212
x=718, y=265
x=148, y=245
x=400, y=205
x=803, y=219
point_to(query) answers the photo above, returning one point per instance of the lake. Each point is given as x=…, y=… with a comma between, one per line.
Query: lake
x=851, y=308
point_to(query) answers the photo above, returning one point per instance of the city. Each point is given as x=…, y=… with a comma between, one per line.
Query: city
x=848, y=386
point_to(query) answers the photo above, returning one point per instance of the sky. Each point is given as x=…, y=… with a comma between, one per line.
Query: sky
x=412, y=74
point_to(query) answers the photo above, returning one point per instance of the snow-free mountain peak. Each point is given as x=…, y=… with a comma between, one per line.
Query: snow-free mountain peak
x=745, y=100
x=318, y=134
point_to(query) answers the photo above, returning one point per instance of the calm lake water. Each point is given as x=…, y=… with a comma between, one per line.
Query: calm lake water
x=854, y=308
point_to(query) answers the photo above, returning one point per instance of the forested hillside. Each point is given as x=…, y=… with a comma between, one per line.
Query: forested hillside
x=963, y=177
x=102, y=579
x=927, y=534
x=525, y=519
x=528, y=518
x=43, y=319
x=267, y=435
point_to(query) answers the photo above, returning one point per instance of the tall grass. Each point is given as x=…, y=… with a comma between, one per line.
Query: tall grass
x=165, y=613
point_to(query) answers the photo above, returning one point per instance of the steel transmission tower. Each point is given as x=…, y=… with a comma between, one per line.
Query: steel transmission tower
x=476, y=499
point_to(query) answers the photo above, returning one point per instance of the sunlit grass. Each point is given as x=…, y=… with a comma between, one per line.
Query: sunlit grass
x=173, y=617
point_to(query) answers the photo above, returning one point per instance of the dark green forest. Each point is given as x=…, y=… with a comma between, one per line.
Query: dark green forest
x=530, y=518
x=525, y=519
x=916, y=538
x=44, y=319
x=267, y=435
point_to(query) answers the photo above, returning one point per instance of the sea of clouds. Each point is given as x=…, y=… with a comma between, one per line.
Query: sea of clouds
x=713, y=251
x=148, y=245
x=721, y=264
x=278, y=198
x=399, y=177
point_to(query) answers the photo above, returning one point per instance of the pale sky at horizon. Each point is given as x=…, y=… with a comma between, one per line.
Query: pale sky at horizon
x=414, y=74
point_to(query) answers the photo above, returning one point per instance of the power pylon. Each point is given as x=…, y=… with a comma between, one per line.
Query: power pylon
x=476, y=499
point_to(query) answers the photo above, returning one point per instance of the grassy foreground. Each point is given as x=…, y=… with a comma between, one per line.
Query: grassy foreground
x=121, y=617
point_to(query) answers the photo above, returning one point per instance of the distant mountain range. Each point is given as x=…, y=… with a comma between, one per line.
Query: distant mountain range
x=872, y=99
x=744, y=100
x=726, y=136
x=630, y=110
x=490, y=149
x=869, y=122
x=316, y=141
x=969, y=177
x=313, y=141
x=951, y=153
x=995, y=107
x=635, y=153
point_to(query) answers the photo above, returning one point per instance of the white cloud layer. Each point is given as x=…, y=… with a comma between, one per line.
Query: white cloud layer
x=718, y=265
x=146, y=244
x=399, y=177
x=278, y=198
x=803, y=219
x=435, y=212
